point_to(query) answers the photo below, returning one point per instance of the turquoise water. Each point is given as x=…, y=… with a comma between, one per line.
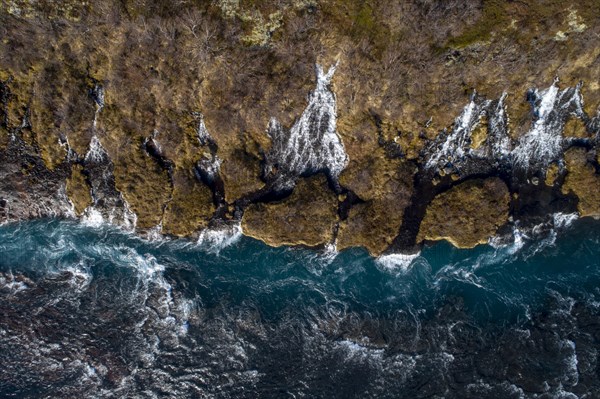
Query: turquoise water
x=96, y=312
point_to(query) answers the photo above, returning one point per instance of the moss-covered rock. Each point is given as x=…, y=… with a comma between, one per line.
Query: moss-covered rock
x=190, y=208
x=575, y=128
x=144, y=185
x=468, y=214
x=307, y=217
x=583, y=181
x=78, y=190
x=4, y=138
x=552, y=174
x=386, y=186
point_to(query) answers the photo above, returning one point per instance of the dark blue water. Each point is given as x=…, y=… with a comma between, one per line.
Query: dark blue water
x=95, y=312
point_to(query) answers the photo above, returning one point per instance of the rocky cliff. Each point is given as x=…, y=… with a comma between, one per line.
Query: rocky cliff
x=349, y=123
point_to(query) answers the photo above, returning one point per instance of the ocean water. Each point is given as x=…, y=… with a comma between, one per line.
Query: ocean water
x=95, y=312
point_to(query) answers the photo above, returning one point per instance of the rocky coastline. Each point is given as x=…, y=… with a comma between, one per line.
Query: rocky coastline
x=305, y=124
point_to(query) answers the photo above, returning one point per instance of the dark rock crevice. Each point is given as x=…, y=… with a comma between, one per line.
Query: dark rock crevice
x=151, y=146
x=425, y=190
x=207, y=171
x=4, y=97
x=98, y=170
x=350, y=198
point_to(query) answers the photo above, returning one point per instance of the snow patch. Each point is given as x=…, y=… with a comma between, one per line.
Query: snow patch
x=312, y=144
x=210, y=166
x=201, y=130
x=543, y=143
x=456, y=144
x=453, y=149
x=96, y=151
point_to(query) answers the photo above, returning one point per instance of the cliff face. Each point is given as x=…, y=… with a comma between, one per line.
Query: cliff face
x=372, y=124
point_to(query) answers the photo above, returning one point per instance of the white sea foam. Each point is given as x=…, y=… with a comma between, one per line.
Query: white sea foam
x=541, y=236
x=125, y=218
x=147, y=266
x=329, y=253
x=216, y=239
x=572, y=373
x=560, y=393
x=173, y=314
x=155, y=233
x=360, y=352
x=518, y=241
x=564, y=220
x=317, y=261
x=12, y=284
x=92, y=217
x=397, y=262
x=81, y=276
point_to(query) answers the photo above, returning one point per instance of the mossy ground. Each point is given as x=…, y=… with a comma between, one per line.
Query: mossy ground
x=4, y=138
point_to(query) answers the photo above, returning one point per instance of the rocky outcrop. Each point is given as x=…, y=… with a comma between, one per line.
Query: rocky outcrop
x=583, y=180
x=424, y=120
x=27, y=188
x=308, y=216
x=468, y=214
